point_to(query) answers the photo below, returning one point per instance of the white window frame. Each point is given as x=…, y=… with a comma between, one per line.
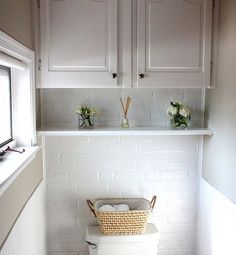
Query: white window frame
x=23, y=91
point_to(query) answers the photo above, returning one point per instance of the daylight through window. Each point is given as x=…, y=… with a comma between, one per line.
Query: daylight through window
x=5, y=106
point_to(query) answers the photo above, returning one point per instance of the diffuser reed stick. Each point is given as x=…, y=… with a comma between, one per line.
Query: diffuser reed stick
x=125, y=108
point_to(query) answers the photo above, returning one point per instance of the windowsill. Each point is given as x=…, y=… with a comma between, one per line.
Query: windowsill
x=13, y=164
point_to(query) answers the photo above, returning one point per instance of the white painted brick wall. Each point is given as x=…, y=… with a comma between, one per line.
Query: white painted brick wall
x=148, y=106
x=90, y=167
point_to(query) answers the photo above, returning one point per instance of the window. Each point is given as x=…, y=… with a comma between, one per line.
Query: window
x=5, y=106
x=17, y=76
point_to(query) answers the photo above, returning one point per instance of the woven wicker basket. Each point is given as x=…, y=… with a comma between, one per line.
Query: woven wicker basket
x=123, y=222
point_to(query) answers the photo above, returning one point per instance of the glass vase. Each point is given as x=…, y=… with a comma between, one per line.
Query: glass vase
x=179, y=124
x=86, y=122
x=125, y=122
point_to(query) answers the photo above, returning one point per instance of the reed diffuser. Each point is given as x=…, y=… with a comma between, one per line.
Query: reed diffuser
x=125, y=108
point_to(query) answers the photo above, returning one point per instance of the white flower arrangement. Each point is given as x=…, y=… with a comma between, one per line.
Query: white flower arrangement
x=179, y=114
x=86, y=110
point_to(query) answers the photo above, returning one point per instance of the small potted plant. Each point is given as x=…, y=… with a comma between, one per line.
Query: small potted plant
x=179, y=114
x=86, y=116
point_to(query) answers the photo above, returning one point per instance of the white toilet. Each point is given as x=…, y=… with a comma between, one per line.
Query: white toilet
x=143, y=244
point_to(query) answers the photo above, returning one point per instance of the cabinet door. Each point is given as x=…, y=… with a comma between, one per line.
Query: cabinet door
x=78, y=43
x=174, y=43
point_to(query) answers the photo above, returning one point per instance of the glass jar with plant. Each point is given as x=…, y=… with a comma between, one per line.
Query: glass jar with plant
x=179, y=114
x=86, y=116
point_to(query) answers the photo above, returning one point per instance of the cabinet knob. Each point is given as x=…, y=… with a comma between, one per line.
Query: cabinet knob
x=141, y=76
x=114, y=75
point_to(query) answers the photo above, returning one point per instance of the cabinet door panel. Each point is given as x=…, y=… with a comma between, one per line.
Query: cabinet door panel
x=174, y=41
x=79, y=43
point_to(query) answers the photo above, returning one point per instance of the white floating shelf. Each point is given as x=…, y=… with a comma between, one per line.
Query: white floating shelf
x=132, y=131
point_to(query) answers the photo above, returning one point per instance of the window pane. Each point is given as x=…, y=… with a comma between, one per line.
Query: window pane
x=5, y=105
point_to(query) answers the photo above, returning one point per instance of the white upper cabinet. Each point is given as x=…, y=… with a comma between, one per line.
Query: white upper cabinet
x=161, y=43
x=78, y=43
x=174, y=43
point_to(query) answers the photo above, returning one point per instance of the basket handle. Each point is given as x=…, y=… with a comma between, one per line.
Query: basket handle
x=153, y=201
x=90, y=205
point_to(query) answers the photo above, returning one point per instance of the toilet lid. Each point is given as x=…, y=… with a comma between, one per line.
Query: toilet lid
x=94, y=235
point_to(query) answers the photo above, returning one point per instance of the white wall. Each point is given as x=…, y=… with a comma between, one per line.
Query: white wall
x=219, y=162
x=28, y=234
x=217, y=222
x=148, y=106
x=78, y=168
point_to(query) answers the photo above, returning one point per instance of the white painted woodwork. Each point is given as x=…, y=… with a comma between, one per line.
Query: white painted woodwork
x=23, y=90
x=174, y=43
x=84, y=42
x=14, y=164
x=125, y=43
x=134, y=131
x=78, y=43
x=216, y=222
x=28, y=235
x=215, y=45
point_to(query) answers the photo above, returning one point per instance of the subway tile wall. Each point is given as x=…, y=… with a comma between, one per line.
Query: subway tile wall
x=78, y=168
x=148, y=106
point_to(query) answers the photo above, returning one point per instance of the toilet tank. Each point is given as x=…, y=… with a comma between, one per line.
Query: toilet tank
x=142, y=244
